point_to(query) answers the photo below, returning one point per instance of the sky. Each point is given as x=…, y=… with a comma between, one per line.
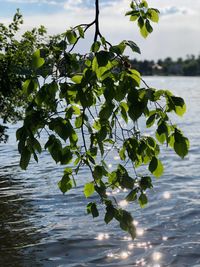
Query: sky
x=176, y=35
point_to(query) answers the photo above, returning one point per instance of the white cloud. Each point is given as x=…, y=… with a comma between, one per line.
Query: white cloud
x=51, y=2
x=177, y=33
x=75, y=5
x=172, y=10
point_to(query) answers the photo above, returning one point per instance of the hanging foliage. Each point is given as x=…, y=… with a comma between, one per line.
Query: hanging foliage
x=91, y=106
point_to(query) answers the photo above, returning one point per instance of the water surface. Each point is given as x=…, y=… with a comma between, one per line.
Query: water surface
x=41, y=227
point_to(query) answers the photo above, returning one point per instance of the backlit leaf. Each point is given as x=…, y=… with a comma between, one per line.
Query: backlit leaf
x=88, y=189
x=37, y=60
x=71, y=36
x=153, y=14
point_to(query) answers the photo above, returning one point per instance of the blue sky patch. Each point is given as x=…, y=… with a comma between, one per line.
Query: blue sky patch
x=32, y=7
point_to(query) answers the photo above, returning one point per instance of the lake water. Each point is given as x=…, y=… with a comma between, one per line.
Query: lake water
x=41, y=227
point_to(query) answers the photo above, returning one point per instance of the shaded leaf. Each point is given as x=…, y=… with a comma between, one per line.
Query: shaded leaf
x=25, y=158
x=65, y=184
x=156, y=167
x=92, y=209
x=132, y=196
x=133, y=46
x=142, y=200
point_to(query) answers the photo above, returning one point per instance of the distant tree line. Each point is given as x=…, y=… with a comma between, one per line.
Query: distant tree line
x=185, y=67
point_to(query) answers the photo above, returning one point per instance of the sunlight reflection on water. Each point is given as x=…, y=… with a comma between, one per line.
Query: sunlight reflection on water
x=102, y=236
x=124, y=255
x=135, y=223
x=156, y=256
x=123, y=203
x=128, y=238
x=164, y=238
x=166, y=195
x=139, y=231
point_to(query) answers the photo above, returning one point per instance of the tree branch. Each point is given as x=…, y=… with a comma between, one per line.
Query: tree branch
x=97, y=32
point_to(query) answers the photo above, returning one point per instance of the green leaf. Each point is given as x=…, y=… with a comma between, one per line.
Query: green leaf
x=140, y=22
x=106, y=111
x=77, y=79
x=81, y=32
x=180, y=110
x=132, y=196
x=37, y=60
x=133, y=46
x=71, y=37
x=126, y=222
x=151, y=142
x=144, y=32
x=131, y=146
x=97, y=125
x=135, y=75
x=126, y=181
x=132, y=13
x=150, y=121
x=25, y=158
x=148, y=26
x=143, y=4
x=124, y=109
x=162, y=132
x=122, y=153
x=55, y=148
x=137, y=105
x=156, y=167
x=103, y=40
x=110, y=213
x=153, y=14
x=66, y=155
x=68, y=171
x=142, y=200
x=98, y=68
x=98, y=172
x=76, y=110
x=79, y=121
x=88, y=189
x=73, y=138
x=180, y=107
x=29, y=86
x=181, y=144
x=118, y=49
x=62, y=127
x=134, y=17
x=145, y=182
x=92, y=209
x=65, y=184
x=36, y=145
x=124, y=106
x=103, y=58
x=95, y=47
x=181, y=149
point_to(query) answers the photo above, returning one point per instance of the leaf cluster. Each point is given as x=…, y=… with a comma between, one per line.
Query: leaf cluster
x=144, y=15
